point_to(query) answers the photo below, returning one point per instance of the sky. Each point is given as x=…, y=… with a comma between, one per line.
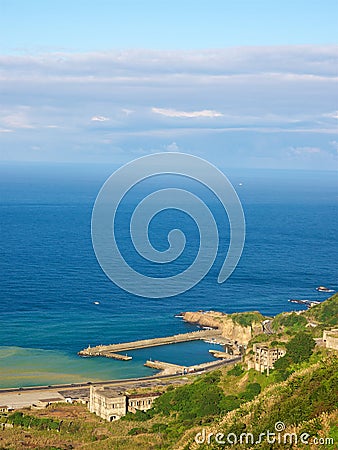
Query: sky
x=240, y=83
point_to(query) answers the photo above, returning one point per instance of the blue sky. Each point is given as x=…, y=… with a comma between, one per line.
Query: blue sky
x=242, y=83
x=83, y=25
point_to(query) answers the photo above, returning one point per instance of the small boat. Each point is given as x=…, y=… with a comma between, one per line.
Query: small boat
x=324, y=289
x=96, y=303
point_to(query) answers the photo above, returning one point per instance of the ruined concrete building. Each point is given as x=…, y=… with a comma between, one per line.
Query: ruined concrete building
x=265, y=357
x=111, y=404
x=330, y=339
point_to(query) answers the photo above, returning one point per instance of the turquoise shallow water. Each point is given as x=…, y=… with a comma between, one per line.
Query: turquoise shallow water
x=29, y=367
x=50, y=279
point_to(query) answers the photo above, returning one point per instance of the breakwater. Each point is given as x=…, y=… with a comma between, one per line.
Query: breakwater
x=108, y=350
x=175, y=369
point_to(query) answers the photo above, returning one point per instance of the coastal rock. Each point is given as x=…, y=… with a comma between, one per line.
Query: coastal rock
x=229, y=324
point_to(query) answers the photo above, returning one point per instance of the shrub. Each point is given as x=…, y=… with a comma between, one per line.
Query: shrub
x=138, y=416
x=246, y=319
x=200, y=399
x=138, y=430
x=236, y=371
x=300, y=347
x=229, y=403
x=159, y=427
x=251, y=390
x=19, y=419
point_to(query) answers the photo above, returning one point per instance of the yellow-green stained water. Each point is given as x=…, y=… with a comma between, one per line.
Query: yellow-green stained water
x=31, y=367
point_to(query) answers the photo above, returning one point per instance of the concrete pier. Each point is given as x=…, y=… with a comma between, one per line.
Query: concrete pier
x=221, y=355
x=165, y=367
x=174, y=369
x=106, y=350
x=118, y=356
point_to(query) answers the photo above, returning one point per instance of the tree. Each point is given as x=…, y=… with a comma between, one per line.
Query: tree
x=300, y=347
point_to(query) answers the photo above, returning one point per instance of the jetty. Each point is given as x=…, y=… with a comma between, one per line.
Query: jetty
x=222, y=355
x=118, y=356
x=175, y=369
x=109, y=350
x=165, y=367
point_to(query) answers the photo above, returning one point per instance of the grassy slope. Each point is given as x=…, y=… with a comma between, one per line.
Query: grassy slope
x=306, y=401
x=326, y=313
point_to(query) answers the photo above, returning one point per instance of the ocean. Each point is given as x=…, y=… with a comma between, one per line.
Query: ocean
x=50, y=278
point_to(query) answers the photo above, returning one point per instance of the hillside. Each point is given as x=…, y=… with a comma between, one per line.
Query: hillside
x=325, y=314
x=306, y=402
x=314, y=320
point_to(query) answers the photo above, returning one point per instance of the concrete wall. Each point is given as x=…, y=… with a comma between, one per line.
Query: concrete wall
x=331, y=339
x=141, y=403
x=109, y=407
x=264, y=357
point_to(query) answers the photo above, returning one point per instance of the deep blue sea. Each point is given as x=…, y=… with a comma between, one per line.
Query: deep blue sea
x=50, y=278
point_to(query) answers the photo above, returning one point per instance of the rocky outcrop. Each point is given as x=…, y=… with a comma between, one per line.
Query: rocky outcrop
x=227, y=324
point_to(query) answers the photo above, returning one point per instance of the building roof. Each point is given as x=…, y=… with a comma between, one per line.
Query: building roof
x=146, y=394
x=109, y=393
x=51, y=400
x=334, y=332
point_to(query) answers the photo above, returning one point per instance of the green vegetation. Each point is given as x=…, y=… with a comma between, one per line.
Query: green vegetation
x=298, y=350
x=322, y=316
x=199, y=399
x=306, y=403
x=306, y=394
x=247, y=319
x=236, y=371
x=199, y=403
x=22, y=420
x=137, y=430
x=260, y=338
x=289, y=322
x=326, y=313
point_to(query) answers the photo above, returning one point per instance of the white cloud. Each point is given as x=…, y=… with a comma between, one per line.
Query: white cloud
x=332, y=115
x=233, y=101
x=127, y=111
x=334, y=144
x=17, y=120
x=186, y=114
x=304, y=150
x=173, y=147
x=99, y=119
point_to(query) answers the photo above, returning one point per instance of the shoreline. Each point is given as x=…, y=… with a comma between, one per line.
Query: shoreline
x=232, y=331
x=30, y=367
x=18, y=398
